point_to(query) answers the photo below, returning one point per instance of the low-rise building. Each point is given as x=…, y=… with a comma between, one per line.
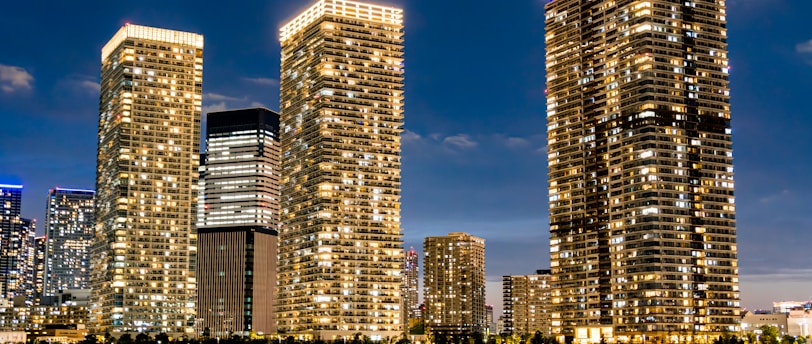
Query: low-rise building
x=36, y=318
x=752, y=322
x=60, y=335
x=12, y=337
x=786, y=306
x=798, y=322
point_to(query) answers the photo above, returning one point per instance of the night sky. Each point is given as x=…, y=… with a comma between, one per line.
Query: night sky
x=474, y=153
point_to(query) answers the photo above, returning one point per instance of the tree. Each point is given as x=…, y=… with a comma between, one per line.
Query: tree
x=143, y=338
x=537, y=338
x=769, y=335
x=162, y=338
x=727, y=338
x=90, y=339
x=479, y=338
x=787, y=339
x=125, y=339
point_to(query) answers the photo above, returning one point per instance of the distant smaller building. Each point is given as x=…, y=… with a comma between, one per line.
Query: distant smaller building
x=526, y=303
x=752, y=322
x=454, y=284
x=68, y=297
x=786, y=306
x=12, y=337
x=490, y=327
x=38, y=318
x=500, y=325
x=799, y=322
x=59, y=334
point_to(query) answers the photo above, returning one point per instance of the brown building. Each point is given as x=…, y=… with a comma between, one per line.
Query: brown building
x=642, y=212
x=237, y=279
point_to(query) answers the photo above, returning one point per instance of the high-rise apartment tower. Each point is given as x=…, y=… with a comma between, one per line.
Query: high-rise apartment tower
x=38, y=277
x=238, y=222
x=16, y=247
x=146, y=182
x=642, y=212
x=411, y=272
x=69, y=223
x=454, y=284
x=341, y=250
x=526, y=303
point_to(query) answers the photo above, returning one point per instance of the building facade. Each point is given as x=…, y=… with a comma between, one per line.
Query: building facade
x=786, y=306
x=16, y=247
x=238, y=222
x=143, y=254
x=526, y=303
x=411, y=275
x=69, y=222
x=454, y=284
x=39, y=267
x=642, y=214
x=341, y=246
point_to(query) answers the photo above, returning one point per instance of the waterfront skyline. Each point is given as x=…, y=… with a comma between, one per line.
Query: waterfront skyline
x=470, y=165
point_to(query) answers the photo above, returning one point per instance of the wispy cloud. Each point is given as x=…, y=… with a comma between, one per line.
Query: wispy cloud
x=257, y=104
x=783, y=194
x=783, y=274
x=409, y=136
x=514, y=142
x=80, y=84
x=221, y=97
x=90, y=86
x=263, y=81
x=216, y=107
x=13, y=78
x=461, y=141
x=456, y=143
x=804, y=48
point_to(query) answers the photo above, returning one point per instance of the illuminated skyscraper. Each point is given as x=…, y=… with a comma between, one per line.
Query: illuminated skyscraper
x=38, y=277
x=69, y=223
x=10, y=243
x=410, y=291
x=238, y=222
x=341, y=254
x=642, y=213
x=16, y=247
x=526, y=303
x=146, y=182
x=454, y=284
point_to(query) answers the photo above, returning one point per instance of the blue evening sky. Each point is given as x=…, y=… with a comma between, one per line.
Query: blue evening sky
x=474, y=155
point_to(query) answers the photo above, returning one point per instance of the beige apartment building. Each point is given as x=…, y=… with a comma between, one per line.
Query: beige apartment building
x=454, y=284
x=341, y=106
x=642, y=211
x=526, y=303
x=143, y=255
